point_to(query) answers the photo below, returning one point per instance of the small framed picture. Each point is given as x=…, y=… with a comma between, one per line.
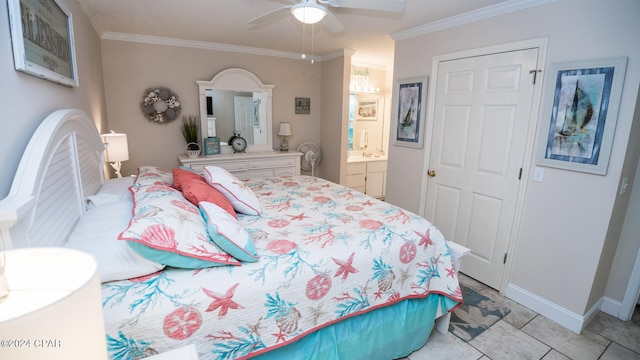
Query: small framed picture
x=303, y=105
x=581, y=107
x=212, y=145
x=367, y=110
x=50, y=56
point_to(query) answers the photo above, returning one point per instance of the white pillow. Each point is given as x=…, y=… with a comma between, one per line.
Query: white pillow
x=235, y=190
x=111, y=191
x=97, y=234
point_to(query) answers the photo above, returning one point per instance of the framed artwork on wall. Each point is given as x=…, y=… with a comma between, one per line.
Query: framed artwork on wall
x=581, y=105
x=303, y=105
x=367, y=110
x=408, y=129
x=42, y=40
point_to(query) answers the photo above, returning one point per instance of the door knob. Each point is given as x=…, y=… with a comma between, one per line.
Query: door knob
x=431, y=173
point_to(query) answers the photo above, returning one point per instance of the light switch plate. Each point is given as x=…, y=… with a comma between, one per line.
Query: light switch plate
x=538, y=174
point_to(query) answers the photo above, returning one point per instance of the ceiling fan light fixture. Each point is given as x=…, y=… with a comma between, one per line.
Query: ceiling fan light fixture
x=308, y=13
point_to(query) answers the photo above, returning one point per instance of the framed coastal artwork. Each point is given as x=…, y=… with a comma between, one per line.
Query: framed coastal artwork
x=581, y=107
x=42, y=40
x=367, y=110
x=408, y=128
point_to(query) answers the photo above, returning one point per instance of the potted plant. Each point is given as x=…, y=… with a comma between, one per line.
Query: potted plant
x=190, y=127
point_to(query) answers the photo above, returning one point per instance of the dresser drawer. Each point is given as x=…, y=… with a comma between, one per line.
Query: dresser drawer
x=233, y=166
x=249, y=165
x=270, y=163
x=229, y=166
x=246, y=175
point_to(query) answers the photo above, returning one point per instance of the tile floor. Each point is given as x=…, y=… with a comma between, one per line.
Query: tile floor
x=524, y=334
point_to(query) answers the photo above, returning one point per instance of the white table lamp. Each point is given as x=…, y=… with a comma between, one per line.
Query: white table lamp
x=117, y=150
x=285, y=130
x=53, y=309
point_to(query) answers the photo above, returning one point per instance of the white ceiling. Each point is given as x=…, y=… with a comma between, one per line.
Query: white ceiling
x=225, y=22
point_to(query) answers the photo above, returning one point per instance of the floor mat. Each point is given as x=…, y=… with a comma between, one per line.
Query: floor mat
x=476, y=315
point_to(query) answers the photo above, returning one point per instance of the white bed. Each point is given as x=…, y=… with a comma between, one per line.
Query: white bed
x=63, y=167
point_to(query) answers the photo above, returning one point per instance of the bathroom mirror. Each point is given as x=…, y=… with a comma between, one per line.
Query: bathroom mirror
x=366, y=124
x=235, y=100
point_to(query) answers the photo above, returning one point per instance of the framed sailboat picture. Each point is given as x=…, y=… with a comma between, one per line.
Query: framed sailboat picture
x=411, y=97
x=581, y=102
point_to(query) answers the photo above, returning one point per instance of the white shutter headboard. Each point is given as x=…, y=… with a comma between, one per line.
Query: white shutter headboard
x=61, y=166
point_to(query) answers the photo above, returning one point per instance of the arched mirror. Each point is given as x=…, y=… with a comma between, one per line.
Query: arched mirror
x=236, y=101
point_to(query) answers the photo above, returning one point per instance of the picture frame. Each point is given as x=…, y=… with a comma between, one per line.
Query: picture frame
x=581, y=106
x=367, y=110
x=411, y=95
x=212, y=145
x=53, y=57
x=303, y=105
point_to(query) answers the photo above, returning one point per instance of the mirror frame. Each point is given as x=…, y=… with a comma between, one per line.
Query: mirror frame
x=241, y=80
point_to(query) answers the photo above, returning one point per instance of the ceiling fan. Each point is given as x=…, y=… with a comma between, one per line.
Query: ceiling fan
x=313, y=11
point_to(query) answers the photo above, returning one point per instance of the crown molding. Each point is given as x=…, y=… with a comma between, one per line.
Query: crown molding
x=337, y=54
x=158, y=40
x=469, y=17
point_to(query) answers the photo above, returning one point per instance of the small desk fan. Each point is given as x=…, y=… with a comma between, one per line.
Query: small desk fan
x=310, y=156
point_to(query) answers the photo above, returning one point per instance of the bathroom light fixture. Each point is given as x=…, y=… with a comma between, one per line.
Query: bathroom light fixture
x=309, y=12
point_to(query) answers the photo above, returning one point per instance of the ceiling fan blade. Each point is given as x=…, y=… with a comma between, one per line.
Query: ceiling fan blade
x=332, y=24
x=270, y=15
x=381, y=5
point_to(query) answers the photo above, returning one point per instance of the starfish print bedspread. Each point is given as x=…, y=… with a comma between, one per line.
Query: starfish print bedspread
x=326, y=253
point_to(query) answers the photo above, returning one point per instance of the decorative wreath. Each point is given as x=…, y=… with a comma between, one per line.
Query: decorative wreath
x=160, y=105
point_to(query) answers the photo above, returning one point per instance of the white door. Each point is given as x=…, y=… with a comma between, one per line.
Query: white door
x=260, y=132
x=482, y=110
x=243, y=108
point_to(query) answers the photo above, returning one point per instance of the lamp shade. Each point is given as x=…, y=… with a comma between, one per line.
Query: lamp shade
x=54, y=306
x=309, y=12
x=285, y=129
x=117, y=148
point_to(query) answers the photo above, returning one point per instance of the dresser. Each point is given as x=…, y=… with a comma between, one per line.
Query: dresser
x=249, y=165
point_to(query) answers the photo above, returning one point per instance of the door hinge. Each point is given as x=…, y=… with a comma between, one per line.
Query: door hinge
x=520, y=174
x=504, y=261
x=535, y=74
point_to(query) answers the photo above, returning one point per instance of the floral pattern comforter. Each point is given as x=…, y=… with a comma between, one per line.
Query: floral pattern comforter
x=326, y=253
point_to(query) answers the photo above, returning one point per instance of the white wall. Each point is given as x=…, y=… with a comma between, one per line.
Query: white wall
x=566, y=220
x=132, y=67
x=27, y=100
x=629, y=243
x=335, y=113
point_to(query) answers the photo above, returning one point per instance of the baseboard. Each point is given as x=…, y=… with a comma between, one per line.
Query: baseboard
x=611, y=307
x=546, y=308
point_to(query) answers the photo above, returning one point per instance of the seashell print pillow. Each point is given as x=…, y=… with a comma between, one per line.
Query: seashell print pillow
x=227, y=233
x=153, y=175
x=168, y=229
